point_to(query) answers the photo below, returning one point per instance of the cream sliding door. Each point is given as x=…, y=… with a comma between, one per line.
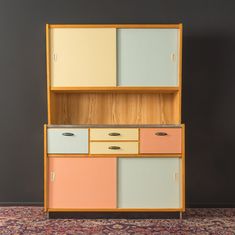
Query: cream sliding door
x=83, y=57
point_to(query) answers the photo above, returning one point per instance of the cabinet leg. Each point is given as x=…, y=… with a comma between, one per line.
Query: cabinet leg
x=47, y=215
x=181, y=215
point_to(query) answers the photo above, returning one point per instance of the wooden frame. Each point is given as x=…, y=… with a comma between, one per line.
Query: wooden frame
x=45, y=167
x=160, y=26
x=53, y=93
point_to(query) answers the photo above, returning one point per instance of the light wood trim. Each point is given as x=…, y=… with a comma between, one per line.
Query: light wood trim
x=45, y=167
x=180, y=69
x=180, y=39
x=178, y=155
x=115, y=89
x=89, y=140
x=117, y=210
x=183, y=169
x=167, y=26
x=114, y=140
x=139, y=140
x=48, y=73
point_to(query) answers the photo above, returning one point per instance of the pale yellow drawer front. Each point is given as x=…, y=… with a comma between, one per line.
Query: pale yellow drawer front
x=83, y=57
x=114, y=134
x=114, y=148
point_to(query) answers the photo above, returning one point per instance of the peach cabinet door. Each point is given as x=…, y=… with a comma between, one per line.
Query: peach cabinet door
x=160, y=140
x=82, y=183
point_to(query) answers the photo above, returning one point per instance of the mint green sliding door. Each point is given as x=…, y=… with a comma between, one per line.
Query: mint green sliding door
x=147, y=57
x=149, y=183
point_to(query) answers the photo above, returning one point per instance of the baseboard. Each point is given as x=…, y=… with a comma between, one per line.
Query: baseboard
x=114, y=215
x=21, y=203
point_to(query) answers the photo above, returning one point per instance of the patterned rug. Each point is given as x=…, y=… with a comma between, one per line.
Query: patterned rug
x=32, y=220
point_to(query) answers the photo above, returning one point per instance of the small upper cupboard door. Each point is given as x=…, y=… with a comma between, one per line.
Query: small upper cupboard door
x=67, y=140
x=84, y=183
x=149, y=183
x=147, y=57
x=83, y=57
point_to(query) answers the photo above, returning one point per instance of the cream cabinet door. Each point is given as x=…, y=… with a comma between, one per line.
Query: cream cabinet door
x=83, y=57
x=149, y=183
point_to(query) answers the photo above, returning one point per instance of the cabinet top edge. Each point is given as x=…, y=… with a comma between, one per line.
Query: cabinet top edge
x=173, y=26
x=116, y=126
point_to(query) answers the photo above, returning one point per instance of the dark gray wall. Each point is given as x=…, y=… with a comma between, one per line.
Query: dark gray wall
x=208, y=88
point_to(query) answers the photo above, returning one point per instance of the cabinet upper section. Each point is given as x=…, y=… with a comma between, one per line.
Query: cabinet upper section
x=114, y=55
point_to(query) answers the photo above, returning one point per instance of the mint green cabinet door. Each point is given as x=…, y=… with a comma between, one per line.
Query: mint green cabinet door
x=147, y=57
x=149, y=183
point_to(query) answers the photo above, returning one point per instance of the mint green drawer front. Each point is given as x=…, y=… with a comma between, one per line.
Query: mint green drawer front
x=147, y=57
x=149, y=183
x=67, y=140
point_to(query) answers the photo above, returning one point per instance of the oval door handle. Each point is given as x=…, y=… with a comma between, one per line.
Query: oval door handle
x=114, y=147
x=173, y=57
x=161, y=133
x=67, y=134
x=114, y=134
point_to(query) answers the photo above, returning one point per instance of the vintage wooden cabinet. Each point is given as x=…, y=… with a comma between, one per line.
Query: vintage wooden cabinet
x=114, y=139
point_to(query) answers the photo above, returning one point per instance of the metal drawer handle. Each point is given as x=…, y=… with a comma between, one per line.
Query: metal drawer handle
x=160, y=133
x=114, y=134
x=67, y=134
x=114, y=147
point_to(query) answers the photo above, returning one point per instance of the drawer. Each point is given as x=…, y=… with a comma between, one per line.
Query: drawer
x=160, y=140
x=67, y=140
x=114, y=147
x=114, y=134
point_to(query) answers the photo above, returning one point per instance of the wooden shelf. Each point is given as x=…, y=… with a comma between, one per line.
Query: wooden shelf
x=154, y=155
x=115, y=89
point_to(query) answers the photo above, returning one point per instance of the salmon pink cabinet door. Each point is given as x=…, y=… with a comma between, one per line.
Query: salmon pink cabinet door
x=82, y=183
x=160, y=140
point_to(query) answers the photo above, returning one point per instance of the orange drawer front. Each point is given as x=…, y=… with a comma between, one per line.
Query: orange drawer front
x=160, y=140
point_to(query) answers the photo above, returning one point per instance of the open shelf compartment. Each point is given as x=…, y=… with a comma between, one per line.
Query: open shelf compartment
x=115, y=108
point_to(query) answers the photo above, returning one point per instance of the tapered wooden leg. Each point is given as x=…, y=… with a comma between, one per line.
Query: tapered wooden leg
x=181, y=215
x=47, y=215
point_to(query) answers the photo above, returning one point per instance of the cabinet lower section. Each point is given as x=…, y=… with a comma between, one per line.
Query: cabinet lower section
x=114, y=184
x=114, y=169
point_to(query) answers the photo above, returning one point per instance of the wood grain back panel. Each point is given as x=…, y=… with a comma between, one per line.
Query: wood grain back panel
x=114, y=108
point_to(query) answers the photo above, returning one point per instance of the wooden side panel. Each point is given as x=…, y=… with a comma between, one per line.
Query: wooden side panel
x=149, y=183
x=82, y=183
x=45, y=193
x=83, y=57
x=113, y=108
